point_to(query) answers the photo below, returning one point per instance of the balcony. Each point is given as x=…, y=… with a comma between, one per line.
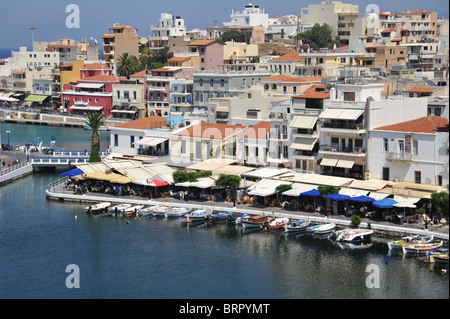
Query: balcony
x=401, y=157
x=278, y=116
x=278, y=136
x=342, y=149
x=157, y=88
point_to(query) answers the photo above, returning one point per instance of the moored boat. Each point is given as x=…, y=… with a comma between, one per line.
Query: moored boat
x=278, y=223
x=421, y=248
x=160, y=211
x=419, y=239
x=236, y=218
x=119, y=209
x=98, y=208
x=132, y=210
x=296, y=226
x=353, y=235
x=256, y=221
x=219, y=216
x=177, y=212
x=438, y=258
x=198, y=215
x=324, y=229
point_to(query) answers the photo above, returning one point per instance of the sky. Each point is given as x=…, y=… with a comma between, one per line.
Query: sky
x=96, y=16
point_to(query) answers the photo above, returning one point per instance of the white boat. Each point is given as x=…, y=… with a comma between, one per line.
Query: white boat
x=132, y=210
x=160, y=211
x=98, y=208
x=353, y=235
x=101, y=128
x=198, y=215
x=177, y=212
x=146, y=211
x=419, y=239
x=278, y=223
x=296, y=226
x=324, y=229
x=256, y=221
x=119, y=209
x=421, y=248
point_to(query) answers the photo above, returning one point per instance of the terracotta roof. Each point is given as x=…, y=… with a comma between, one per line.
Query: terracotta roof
x=389, y=30
x=414, y=12
x=313, y=95
x=167, y=69
x=141, y=73
x=102, y=78
x=108, y=36
x=422, y=89
x=201, y=42
x=426, y=124
x=19, y=72
x=117, y=28
x=291, y=56
x=258, y=131
x=211, y=130
x=287, y=78
x=179, y=59
x=144, y=123
x=96, y=65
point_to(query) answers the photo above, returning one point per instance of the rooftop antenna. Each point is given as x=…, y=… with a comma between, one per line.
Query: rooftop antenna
x=32, y=28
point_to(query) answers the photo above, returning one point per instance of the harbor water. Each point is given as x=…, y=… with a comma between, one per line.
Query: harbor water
x=168, y=259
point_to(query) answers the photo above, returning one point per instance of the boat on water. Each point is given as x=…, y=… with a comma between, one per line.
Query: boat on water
x=407, y=240
x=256, y=221
x=219, y=216
x=236, y=218
x=98, y=208
x=296, y=226
x=310, y=229
x=421, y=248
x=119, y=209
x=101, y=128
x=278, y=223
x=160, y=211
x=198, y=215
x=324, y=229
x=353, y=235
x=177, y=212
x=146, y=211
x=438, y=258
x=132, y=210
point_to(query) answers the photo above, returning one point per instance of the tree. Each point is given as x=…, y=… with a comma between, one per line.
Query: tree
x=229, y=182
x=126, y=65
x=95, y=120
x=327, y=190
x=183, y=176
x=234, y=35
x=280, y=189
x=439, y=202
x=356, y=220
x=319, y=36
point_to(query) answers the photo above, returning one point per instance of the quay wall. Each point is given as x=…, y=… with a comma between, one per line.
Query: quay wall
x=9, y=176
x=378, y=228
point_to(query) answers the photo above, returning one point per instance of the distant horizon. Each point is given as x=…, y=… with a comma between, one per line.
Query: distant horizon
x=49, y=16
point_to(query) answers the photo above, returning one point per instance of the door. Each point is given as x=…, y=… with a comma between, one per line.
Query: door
x=386, y=173
x=198, y=149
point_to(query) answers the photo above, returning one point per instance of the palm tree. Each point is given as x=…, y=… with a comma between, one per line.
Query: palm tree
x=95, y=120
x=125, y=65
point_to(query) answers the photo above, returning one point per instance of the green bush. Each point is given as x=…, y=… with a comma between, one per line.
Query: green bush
x=356, y=220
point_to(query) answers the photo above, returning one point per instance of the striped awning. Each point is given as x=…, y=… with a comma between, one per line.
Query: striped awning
x=36, y=98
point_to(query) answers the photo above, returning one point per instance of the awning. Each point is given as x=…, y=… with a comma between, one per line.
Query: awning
x=72, y=172
x=304, y=144
x=223, y=108
x=90, y=85
x=151, y=141
x=345, y=163
x=329, y=161
x=341, y=114
x=303, y=121
x=87, y=108
x=124, y=111
x=298, y=188
x=36, y=98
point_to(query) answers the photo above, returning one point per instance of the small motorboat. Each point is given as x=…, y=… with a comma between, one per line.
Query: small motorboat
x=324, y=229
x=311, y=229
x=160, y=211
x=419, y=239
x=421, y=248
x=436, y=257
x=256, y=221
x=278, y=223
x=219, y=216
x=296, y=226
x=98, y=208
x=353, y=235
x=132, y=210
x=177, y=212
x=119, y=209
x=198, y=215
x=236, y=218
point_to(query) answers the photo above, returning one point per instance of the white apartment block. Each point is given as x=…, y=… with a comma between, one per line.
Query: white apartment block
x=251, y=16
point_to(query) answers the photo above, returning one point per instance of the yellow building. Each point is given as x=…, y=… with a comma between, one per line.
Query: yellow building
x=120, y=39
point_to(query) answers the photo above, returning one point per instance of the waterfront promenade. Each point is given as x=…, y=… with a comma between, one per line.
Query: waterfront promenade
x=58, y=191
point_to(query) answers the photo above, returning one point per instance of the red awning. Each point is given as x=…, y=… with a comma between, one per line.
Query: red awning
x=157, y=183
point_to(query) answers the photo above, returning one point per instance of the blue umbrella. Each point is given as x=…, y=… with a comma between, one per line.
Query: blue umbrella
x=384, y=203
x=337, y=197
x=364, y=199
x=72, y=172
x=311, y=193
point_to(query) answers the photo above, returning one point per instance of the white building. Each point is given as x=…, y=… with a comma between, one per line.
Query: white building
x=412, y=151
x=22, y=59
x=252, y=16
x=169, y=26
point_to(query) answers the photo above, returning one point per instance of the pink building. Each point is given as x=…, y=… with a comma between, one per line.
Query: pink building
x=93, y=69
x=210, y=53
x=159, y=85
x=92, y=94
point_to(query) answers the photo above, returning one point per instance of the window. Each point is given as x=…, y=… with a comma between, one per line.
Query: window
x=118, y=95
x=116, y=140
x=401, y=146
x=349, y=96
x=440, y=180
x=183, y=147
x=134, y=94
x=132, y=141
x=417, y=176
x=415, y=147
x=385, y=144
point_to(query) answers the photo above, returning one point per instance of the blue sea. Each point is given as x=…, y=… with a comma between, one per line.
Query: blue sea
x=6, y=53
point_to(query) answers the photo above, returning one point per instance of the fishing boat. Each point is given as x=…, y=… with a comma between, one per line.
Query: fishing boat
x=219, y=216
x=119, y=209
x=132, y=210
x=324, y=229
x=160, y=211
x=236, y=218
x=419, y=239
x=353, y=235
x=256, y=221
x=438, y=256
x=101, y=128
x=421, y=248
x=296, y=226
x=98, y=208
x=198, y=215
x=311, y=229
x=278, y=223
x=177, y=212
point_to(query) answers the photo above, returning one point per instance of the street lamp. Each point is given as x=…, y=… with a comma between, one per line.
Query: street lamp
x=8, y=132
